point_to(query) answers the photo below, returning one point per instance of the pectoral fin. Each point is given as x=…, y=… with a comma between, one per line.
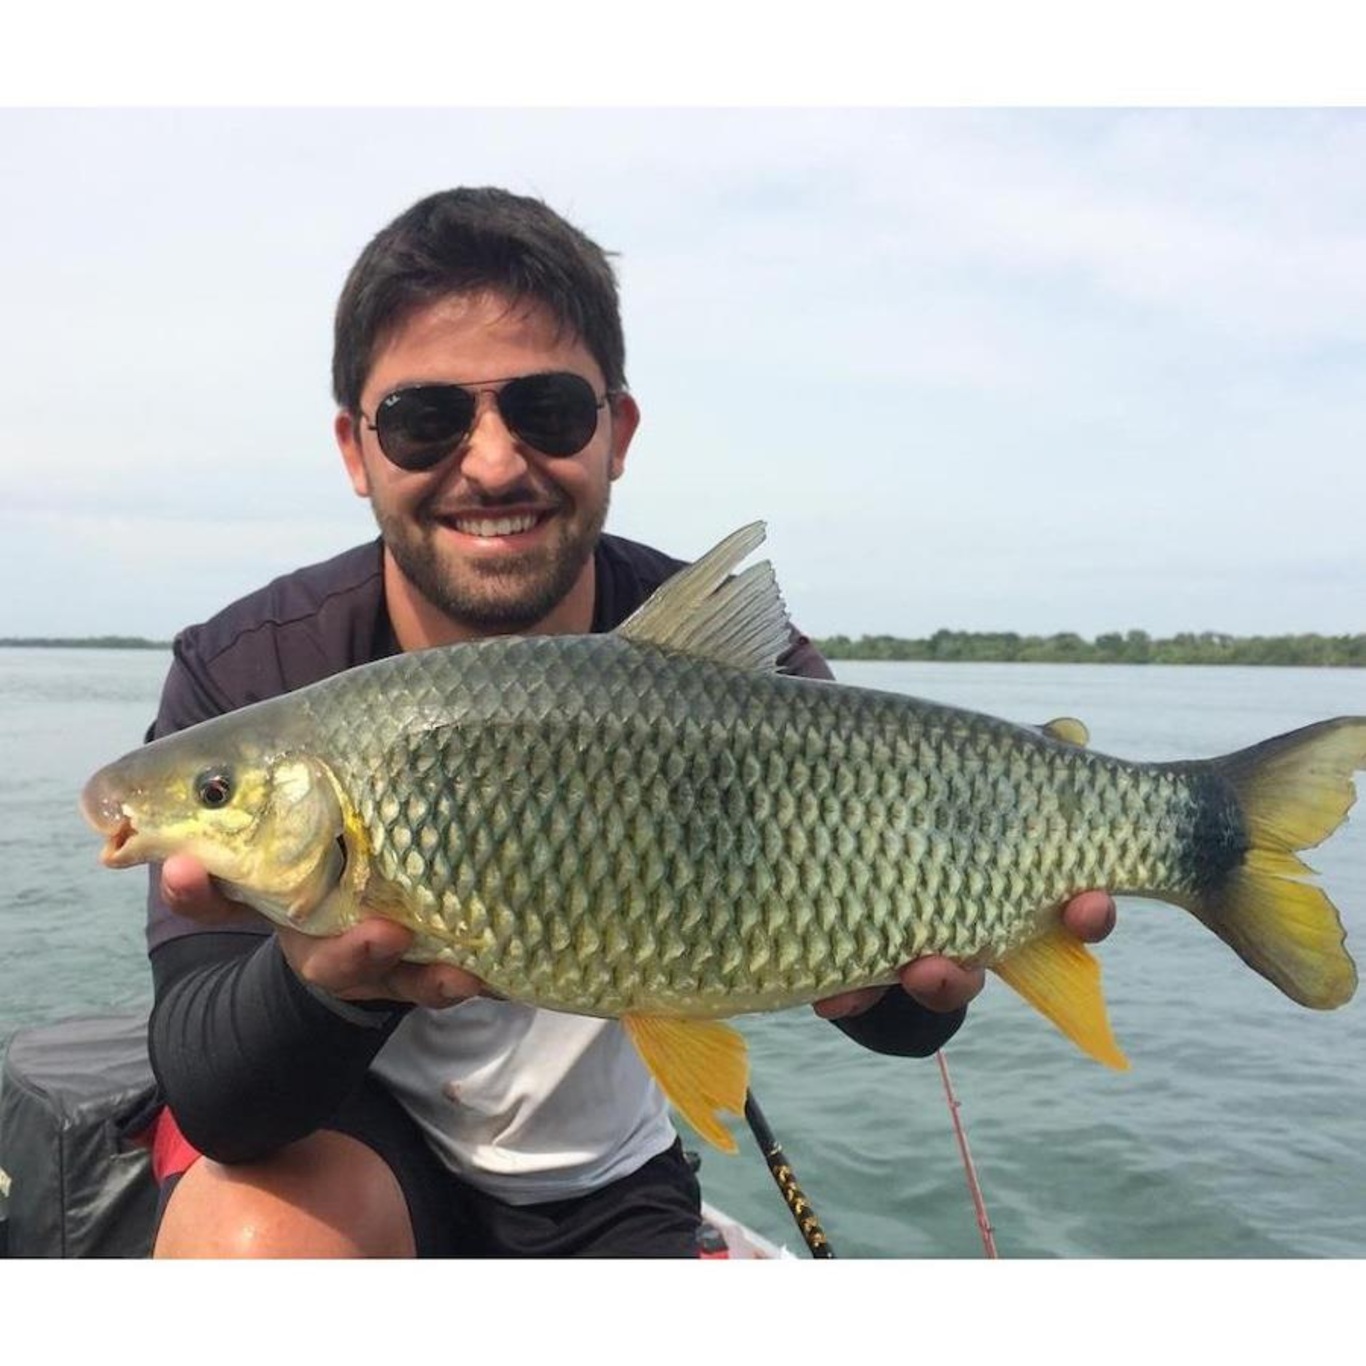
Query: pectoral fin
x=701, y=1066
x=1060, y=978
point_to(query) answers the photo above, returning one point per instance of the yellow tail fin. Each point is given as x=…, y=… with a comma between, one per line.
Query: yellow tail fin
x=1294, y=791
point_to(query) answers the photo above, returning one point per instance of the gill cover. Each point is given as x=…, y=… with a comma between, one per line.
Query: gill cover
x=291, y=859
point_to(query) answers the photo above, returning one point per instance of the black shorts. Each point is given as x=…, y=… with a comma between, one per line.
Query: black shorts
x=653, y=1212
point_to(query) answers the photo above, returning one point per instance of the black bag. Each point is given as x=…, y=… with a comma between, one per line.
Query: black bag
x=73, y=1099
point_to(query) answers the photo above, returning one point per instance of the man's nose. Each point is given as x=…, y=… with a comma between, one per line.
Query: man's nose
x=491, y=457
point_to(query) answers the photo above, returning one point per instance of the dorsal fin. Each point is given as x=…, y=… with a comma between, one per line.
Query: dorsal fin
x=702, y=611
x=1067, y=729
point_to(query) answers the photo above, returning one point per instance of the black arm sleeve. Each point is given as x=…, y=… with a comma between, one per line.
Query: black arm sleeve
x=246, y=1056
x=898, y=1024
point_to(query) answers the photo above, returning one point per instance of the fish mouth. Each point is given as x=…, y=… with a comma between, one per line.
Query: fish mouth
x=112, y=855
x=106, y=812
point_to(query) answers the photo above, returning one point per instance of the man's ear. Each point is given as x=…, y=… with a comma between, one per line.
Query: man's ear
x=625, y=418
x=348, y=434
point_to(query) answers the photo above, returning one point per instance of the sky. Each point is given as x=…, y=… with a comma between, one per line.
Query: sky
x=1073, y=368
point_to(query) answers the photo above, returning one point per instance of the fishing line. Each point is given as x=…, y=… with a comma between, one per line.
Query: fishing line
x=974, y=1186
x=813, y=1235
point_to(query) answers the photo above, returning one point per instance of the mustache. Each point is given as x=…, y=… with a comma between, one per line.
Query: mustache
x=448, y=503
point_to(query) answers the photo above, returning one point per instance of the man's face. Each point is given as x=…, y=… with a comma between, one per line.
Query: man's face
x=496, y=535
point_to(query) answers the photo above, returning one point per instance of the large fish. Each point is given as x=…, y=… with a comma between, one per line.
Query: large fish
x=657, y=825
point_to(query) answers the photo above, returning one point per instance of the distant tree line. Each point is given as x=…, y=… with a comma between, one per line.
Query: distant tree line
x=83, y=643
x=985, y=647
x=1114, y=647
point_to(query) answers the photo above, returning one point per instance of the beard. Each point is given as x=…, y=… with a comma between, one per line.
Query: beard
x=503, y=599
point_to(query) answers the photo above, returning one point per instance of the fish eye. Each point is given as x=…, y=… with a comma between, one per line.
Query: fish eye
x=214, y=787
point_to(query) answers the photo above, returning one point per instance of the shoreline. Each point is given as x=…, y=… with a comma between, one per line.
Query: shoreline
x=967, y=647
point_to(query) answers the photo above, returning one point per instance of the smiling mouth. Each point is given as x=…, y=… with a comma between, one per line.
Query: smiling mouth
x=489, y=527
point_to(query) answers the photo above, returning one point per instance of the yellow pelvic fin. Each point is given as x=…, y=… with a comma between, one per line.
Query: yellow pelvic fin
x=1067, y=729
x=1060, y=978
x=701, y=1066
x=1294, y=791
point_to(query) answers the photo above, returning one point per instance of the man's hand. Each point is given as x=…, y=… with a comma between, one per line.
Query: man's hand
x=940, y=984
x=361, y=964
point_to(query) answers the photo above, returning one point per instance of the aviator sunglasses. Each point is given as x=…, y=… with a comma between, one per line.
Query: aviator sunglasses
x=554, y=413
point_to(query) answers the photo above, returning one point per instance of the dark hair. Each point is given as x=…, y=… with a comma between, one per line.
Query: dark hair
x=463, y=241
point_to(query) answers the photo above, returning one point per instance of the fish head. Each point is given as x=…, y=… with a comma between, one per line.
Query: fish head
x=262, y=816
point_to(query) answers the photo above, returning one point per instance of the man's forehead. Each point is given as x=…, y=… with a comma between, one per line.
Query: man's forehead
x=485, y=308
x=469, y=315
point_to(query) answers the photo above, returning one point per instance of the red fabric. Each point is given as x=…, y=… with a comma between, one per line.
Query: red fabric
x=172, y=1152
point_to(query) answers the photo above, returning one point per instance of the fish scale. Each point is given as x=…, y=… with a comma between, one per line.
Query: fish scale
x=829, y=843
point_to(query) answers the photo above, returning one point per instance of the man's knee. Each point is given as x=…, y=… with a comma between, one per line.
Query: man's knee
x=327, y=1195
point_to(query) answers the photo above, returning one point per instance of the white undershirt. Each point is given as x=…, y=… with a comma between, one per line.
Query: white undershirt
x=526, y=1104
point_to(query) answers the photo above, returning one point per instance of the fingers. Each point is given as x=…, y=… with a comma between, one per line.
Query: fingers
x=362, y=964
x=365, y=964
x=431, y=984
x=937, y=983
x=848, y=1003
x=188, y=890
x=941, y=984
x=1090, y=916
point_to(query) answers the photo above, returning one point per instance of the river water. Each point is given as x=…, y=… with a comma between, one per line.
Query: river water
x=1240, y=1131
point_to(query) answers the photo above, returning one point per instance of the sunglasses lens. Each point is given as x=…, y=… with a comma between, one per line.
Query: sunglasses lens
x=419, y=427
x=555, y=414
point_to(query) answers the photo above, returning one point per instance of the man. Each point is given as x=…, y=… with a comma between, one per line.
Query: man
x=348, y=1103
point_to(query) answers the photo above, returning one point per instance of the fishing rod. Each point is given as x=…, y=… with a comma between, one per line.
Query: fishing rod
x=813, y=1235
x=974, y=1186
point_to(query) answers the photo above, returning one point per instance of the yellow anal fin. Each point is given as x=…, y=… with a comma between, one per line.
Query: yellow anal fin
x=1060, y=978
x=702, y=1066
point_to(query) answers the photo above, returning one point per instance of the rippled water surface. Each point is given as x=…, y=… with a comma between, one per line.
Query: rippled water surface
x=1239, y=1132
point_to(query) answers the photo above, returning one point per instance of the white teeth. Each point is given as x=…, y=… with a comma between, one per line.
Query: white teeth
x=501, y=526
